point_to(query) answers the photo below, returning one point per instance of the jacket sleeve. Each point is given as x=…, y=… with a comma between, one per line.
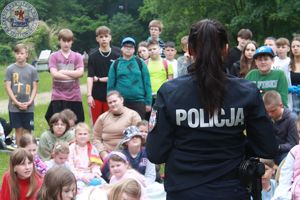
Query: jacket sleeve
x=111, y=78
x=160, y=138
x=44, y=151
x=147, y=84
x=260, y=130
x=98, y=129
x=292, y=136
x=283, y=88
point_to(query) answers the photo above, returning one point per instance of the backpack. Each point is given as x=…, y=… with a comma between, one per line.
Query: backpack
x=139, y=62
x=165, y=63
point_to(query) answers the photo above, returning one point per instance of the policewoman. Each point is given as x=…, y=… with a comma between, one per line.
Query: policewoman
x=198, y=120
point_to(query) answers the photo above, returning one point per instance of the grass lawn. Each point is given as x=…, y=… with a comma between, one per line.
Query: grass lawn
x=39, y=113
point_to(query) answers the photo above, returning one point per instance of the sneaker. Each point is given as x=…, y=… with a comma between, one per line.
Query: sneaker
x=11, y=147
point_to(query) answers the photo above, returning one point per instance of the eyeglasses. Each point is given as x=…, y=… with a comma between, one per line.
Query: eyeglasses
x=59, y=124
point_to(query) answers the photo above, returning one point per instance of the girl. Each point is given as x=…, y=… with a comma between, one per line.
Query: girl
x=28, y=142
x=120, y=169
x=84, y=158
x=143, y=50
x=59, y=126
x=59, y=184
x=132, y=145
x=21, y=181
x=295, y=72
x=60, y=155
x=126, y=189
x=246, y=63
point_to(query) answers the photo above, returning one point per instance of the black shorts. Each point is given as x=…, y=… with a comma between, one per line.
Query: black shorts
x=22, y=120
x=59, y=105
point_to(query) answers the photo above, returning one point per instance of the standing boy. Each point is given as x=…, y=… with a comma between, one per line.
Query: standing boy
x=155, y=29
x=186, y=59
x=98, y=67
x=21, y=82
x=265, y=78
x=129, y=75
x=170, y=53
x=66, y=67
x=160, y=71
x=243, y=36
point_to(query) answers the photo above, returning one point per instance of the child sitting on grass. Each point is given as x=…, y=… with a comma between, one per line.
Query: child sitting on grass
x=60, y=155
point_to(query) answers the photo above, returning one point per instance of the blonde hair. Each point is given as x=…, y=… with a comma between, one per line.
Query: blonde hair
x=18, y=157
x=128, y=186
x=103, y=30
x=142, y=123
x=156, y=23
x=66, y=35
x=19, y=47
x=61, y=147
x=269, y=162
x=82, y=125
x=272, y=97
x=282, y=41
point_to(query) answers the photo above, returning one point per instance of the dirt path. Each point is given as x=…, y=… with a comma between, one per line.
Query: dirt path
x=41, y=98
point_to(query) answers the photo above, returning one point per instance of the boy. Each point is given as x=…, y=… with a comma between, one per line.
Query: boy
x=21, y=83
x=155, y=29
x=159, y=70
x=243, y=36
x=66, y=67
x=265, y=78
x=282, y=61
x=98, y=67
x=170, y=53
x=186, y=60
x=284, y=122
x=271, y=42
x=268, y=184
x=130, y=76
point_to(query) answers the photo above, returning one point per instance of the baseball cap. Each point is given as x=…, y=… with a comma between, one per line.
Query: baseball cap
x=128, y=40
x=130, y=132
x=263, y=50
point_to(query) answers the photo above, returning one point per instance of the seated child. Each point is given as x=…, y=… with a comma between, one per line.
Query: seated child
x=268, y=184
x=84, y=158
x=59, y=126
x=133, y=148
x=21, y=180
x=143, y=127
x=289, y=185
x=59, y=183
x=60, y=155
x=28, y=142
x=72, y=118
x=126, y=189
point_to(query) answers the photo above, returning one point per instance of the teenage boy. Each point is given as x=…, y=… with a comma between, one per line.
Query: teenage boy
x=265, y=78
x=271, y=42
x=284, y=122
x=21, y=83
x=130, y=76
x=170, y=53
x=66, y=67
x=282, y=61
x=155, y=29
x=160, y=71
x=98, y=67
x=243, y=36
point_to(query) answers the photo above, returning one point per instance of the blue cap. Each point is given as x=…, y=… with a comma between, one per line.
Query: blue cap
x=263, y=50
x=128, y=40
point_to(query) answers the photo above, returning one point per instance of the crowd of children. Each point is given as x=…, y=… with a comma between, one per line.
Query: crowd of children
x=121, y=88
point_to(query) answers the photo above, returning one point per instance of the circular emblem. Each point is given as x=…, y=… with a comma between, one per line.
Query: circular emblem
x=19, y=19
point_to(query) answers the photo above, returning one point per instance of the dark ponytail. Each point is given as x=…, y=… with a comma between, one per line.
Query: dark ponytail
x=207, y=44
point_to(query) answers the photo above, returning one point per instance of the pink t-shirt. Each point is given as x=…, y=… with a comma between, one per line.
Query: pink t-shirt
x=68, y=90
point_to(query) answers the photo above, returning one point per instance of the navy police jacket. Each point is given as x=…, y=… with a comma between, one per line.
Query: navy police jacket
x=197, y=148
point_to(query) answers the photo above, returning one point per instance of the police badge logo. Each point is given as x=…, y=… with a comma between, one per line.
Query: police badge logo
x=19, y=19
x=152, y=120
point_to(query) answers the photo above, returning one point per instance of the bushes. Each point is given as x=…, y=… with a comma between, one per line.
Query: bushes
x=6, y=55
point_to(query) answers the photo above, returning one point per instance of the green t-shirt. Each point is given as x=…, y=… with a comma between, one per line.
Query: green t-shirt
x=274, y=80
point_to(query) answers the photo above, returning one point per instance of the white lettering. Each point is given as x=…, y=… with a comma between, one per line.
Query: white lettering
x=180, y=116
x=193, y=114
